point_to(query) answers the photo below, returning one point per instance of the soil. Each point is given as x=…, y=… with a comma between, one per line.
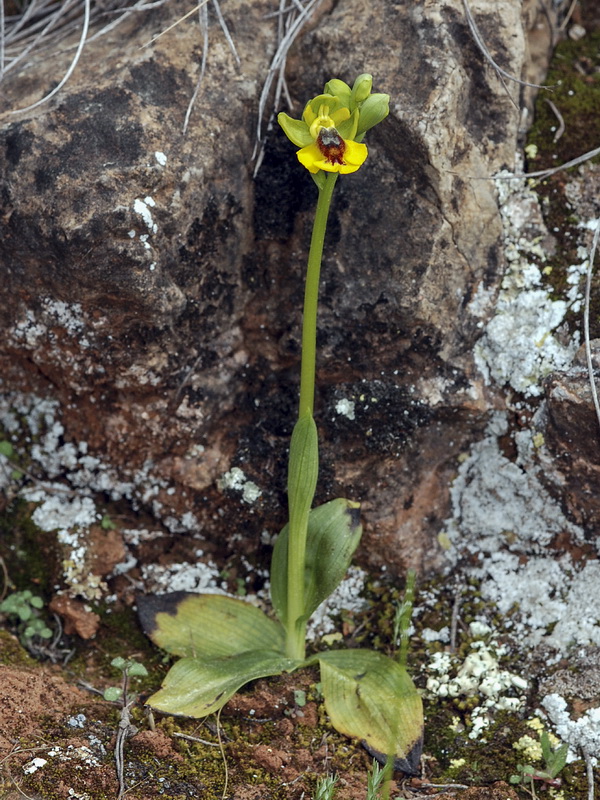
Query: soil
x=271, y=748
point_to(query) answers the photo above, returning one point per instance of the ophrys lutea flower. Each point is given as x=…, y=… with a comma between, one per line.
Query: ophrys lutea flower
x=333, y=124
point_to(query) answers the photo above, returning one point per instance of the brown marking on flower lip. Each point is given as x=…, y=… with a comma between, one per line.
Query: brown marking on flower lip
x=331, y=144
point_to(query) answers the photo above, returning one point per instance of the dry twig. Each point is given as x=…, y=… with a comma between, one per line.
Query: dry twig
x=586, y=320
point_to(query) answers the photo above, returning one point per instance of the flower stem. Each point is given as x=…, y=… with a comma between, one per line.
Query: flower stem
x=311, y=298
x=304, y=447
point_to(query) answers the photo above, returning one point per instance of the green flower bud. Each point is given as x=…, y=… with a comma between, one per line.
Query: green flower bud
x=339, y=89
x=374, y=109
x=361, y=89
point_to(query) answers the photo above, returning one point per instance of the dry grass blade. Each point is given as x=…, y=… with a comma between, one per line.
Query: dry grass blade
x=203, y=19
x=73, y=64
x=225, y=30
x=204, y=29
x=288, y=33
x=546, y=173
x=586, y=320
x=123, y=14
x=174, y=25
x=482, y=46
x=561, y=123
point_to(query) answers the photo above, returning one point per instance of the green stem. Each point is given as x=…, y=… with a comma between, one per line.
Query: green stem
x=304, y=452
x=311, y=298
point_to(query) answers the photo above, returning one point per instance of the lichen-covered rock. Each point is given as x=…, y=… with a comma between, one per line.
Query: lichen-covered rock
x=153, y=287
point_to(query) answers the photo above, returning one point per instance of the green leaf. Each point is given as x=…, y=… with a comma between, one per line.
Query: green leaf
x=196, y=688
x=112, y=694
x=556, y=759
x=303, y=467
x=371, y=697
x=334, y=532
x=137, y=670
x=207, y=625
x=6, y=449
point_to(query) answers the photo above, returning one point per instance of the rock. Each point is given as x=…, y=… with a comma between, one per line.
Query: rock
x=570, y=429
x=77, y=618
x=153, y=289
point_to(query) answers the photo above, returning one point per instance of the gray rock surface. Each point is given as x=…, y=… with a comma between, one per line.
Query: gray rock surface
x=158, y=301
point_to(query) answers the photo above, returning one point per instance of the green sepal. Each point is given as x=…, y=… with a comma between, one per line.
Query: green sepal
x=207, y=625
x=196, y=688
x=295, y=129
x=347, y=129
x=375, y=109
x=334, y=531
x=329, y=100
x=369, y=696
x=339, y=89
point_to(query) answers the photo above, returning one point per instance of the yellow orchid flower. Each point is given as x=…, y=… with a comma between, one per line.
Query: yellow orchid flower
x=333, y=124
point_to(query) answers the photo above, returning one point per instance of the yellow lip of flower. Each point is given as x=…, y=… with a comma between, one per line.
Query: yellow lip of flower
x=332, y=153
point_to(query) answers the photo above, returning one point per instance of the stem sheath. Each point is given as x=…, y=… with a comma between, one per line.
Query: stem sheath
x=304, y=448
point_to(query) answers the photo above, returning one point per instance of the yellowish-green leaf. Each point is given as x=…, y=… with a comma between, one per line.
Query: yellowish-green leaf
x=334, y=532
x=194, y=688
x=207, y=625
x=371, y=697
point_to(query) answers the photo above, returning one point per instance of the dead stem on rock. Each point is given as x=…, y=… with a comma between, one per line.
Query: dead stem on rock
x=586, y=321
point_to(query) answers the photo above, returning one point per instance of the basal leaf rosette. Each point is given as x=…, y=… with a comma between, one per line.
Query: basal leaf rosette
x=333, y=124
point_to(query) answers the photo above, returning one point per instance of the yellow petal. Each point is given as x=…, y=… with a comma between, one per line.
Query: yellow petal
x=355, y=153
x=309, y=156
x=340, y=115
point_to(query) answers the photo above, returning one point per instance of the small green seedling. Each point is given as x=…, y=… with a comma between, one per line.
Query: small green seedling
x=554, y=761
x=223, y=642
x=376, y=782
x=26, y=606
x=130, y=669
x=8, y=451
x=375, y=785
x=326, y=788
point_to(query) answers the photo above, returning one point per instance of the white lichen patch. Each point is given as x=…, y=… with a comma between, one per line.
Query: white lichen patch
x=81, y=757
x=346, y=598
x=33, y=329
x=345, y=408
x=498, y=503
x=582, y=735
x=184, y=577
x=478, y=676
x=32, y=766
x=556, y=599
x=142, y=207
x=67, y=506
x=523, y=341
x=504, y=517
x=236, y=479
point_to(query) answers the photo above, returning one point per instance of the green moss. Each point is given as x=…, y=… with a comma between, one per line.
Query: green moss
x=575, y=74
x=29, y=553
x=12, y=653
x=575, y=78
